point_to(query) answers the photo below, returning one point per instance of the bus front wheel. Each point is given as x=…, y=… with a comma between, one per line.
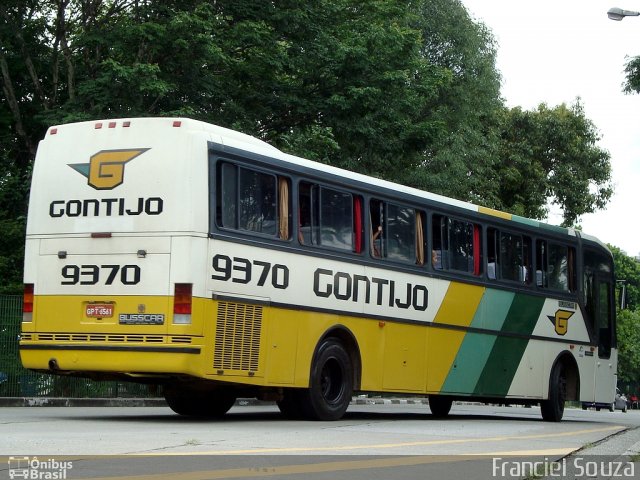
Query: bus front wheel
x=552, y=409
x=330, y=384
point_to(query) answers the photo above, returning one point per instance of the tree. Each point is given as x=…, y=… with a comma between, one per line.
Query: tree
x=628, y=330
x=340, y=81
x=627, y=269
x=552, y=154
x=459, y=161
x=399, y=89
x=632, y=72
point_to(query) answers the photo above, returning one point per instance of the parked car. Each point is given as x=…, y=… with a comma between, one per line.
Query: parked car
x=619, y=403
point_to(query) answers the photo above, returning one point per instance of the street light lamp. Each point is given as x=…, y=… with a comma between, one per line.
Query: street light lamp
x=618, y=14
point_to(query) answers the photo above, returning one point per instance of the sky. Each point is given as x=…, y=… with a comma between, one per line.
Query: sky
x=556, y=51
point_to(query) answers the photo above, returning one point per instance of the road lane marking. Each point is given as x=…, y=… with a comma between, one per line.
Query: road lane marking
x=322, y=467
x=425, y=443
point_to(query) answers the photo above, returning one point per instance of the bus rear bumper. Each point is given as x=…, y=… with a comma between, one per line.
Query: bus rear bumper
x=127, y=360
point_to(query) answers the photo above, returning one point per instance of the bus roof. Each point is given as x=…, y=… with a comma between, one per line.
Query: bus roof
x=234, y=139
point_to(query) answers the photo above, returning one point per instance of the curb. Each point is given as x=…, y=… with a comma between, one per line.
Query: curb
x=81, y=402
x=160, y=402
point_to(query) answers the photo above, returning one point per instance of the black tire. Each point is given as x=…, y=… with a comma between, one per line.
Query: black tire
x=612, y=407
x=330, y=384
x=440, y=405
x=291, y=404
x=552, y=409
x=210, y=404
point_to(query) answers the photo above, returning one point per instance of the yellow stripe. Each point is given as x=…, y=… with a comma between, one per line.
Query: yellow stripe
x=399, y=445
x=495, y=213
x=281, y=471
x=458, y=308
x=350, y=465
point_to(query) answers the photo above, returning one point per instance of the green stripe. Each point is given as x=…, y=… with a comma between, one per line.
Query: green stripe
x=507, y=352
x=476, y=347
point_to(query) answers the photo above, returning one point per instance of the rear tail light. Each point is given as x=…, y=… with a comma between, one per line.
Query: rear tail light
x=27, y=303
x=182, y=303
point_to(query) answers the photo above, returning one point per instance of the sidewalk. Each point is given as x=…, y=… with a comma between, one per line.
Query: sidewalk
x=617, y=456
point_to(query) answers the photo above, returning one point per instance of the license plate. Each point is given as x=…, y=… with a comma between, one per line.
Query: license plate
x=99, y=310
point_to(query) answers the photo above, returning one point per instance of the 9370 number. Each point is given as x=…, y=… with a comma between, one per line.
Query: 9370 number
x=242, y=270
x=104, y=274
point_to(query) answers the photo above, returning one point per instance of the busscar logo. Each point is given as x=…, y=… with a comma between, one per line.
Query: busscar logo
x=105, y=170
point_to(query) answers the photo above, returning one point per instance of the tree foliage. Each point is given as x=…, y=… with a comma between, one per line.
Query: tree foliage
x=552, y=154
x=627, y=270
x=632, y=72
x=399, y=89
x=628, y=330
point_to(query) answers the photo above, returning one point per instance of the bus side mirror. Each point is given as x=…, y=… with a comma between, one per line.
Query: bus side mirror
x=622, y=293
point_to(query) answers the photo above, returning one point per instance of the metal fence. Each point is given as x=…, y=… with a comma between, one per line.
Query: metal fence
x=16, y=381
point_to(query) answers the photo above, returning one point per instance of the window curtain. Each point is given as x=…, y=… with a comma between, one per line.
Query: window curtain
x=283, y=208
x=419, y=239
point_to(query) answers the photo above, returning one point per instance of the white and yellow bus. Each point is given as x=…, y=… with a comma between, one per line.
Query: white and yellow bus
x=179, y=253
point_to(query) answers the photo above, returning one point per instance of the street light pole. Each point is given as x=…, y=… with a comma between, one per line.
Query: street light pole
x=618, y=14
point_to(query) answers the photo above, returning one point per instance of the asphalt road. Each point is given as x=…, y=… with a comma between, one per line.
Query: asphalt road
x=390, y=441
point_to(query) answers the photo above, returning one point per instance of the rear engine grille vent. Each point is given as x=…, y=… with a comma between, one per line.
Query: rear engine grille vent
x=180, y=339
x=238, y=330
x=101, y=338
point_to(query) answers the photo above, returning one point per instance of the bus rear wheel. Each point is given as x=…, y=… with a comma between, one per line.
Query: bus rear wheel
x=290, y=405
x=552, y=409
x=331, y=383
x=194, y=403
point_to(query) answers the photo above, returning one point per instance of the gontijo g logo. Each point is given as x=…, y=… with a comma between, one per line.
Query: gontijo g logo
x=105, y=170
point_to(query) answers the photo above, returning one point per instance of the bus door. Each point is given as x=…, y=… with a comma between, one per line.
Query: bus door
x=601, y=309
x=606, y=370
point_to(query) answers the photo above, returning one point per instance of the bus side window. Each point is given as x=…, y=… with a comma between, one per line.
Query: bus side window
x=438, y=245
x=555, y=266
x=515, y=257
x=558, y=267
x=455, y=245
x=492, y=253
x=248, y=200
x=227, y=189
x=461, y=245
x=326, y=217
x=376, y=229
x=392, y=233
x=509, y=256
x=541, y=263
x=305, y=208
x=401, y=233
x=336, y=219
